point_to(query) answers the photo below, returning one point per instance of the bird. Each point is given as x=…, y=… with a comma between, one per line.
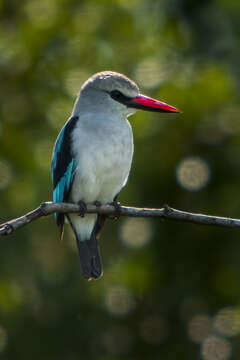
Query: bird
x=92, y=156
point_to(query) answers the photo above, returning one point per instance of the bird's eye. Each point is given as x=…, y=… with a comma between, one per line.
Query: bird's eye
x=116, y=95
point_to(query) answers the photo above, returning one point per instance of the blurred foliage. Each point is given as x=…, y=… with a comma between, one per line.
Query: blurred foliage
x=170, y=290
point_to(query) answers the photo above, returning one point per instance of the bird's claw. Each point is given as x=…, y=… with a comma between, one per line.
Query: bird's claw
x=82, y=208
x=117, y=206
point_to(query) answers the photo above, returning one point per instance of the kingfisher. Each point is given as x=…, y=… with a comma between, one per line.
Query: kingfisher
x=93, y=154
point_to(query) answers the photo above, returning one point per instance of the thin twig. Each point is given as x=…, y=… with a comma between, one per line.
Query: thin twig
x=165, y=212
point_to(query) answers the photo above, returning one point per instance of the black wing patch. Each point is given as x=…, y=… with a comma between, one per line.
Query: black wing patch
x=63, y=164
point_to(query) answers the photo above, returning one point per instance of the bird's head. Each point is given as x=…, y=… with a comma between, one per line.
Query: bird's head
x=116, y=91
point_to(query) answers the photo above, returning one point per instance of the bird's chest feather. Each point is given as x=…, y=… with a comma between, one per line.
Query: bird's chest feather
x=104, y=156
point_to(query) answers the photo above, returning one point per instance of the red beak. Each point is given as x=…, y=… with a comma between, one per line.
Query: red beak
x=146, y=103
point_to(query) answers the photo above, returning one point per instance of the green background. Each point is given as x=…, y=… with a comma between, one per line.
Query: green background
x=170, y=290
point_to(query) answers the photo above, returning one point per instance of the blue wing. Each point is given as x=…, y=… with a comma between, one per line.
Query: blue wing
x=63, y=165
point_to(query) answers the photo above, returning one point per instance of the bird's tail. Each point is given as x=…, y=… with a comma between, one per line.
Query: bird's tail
x=90, y=258
x=88, y=248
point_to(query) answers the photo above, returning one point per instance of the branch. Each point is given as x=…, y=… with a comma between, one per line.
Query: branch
x=48, y=208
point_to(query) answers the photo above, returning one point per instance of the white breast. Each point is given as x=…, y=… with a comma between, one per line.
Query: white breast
x=103, y=149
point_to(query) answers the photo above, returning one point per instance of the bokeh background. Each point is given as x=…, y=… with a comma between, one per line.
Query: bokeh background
x=170, y=290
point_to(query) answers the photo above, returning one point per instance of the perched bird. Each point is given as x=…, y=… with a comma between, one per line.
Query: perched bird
x=93, y=153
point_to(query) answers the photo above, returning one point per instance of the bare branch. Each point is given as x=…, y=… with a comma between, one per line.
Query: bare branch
x=165, y=212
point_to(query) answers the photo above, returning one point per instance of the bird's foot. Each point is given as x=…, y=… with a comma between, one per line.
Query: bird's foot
x=82, y=208
x=117, y=206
